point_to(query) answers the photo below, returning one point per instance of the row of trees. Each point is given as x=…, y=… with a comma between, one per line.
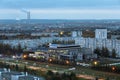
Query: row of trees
x=49, y=75
x=22, y=36
x=7, y=49
x=105, y=67
x=52, y=61
x=13, y=67
x=104, y=52
x=56, y=76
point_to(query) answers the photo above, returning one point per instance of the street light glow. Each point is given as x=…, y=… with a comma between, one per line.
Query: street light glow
x=67, y=62
x=24, y=56
x=113, y=68
x=95, y=62
x=61, y=33
x=50, y=60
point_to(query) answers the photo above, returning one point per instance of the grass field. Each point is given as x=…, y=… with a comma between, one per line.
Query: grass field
x=64, y=68
x=82, y=79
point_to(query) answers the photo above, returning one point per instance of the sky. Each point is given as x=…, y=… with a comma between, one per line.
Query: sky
x=60, y=9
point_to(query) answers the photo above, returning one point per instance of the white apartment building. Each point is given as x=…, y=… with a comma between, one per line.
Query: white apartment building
x=100, y=41
x=101, y=33
x=76, y=33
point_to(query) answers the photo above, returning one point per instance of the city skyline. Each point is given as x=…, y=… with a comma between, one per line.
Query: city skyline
x=60, y=9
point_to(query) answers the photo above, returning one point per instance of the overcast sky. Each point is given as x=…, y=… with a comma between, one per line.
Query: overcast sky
x=60, y=9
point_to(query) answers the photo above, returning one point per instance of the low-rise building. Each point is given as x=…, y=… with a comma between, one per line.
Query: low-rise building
x=70, y=52
x=12, y=75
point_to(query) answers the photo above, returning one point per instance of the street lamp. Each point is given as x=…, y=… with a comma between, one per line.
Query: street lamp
x=67, y=62
x=95, y=62
x=50, y=60
x=24, y=56
x=113, y=68
x=61, y=33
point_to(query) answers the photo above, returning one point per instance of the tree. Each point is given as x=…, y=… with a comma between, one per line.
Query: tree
x=50, y=73
x=113, y=53
x=73, y=76
x=19, y=48
x=16, y=67
x=65, y=76
x=105, y=52
x=56, y=78
x=6, y=49
x=25, y=68
x=96, y=78
x=97, y=51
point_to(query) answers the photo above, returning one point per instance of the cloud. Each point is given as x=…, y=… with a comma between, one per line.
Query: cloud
x=58, y=3
x=62, y=14
x=60, y=8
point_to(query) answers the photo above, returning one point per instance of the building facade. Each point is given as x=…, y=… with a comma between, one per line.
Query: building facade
x=99, y=41
x=101, y=33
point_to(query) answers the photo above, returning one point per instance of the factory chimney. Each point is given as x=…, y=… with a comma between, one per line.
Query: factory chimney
x=28, y=15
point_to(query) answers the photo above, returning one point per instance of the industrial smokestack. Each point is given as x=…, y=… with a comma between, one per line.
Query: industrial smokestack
x=28, y=16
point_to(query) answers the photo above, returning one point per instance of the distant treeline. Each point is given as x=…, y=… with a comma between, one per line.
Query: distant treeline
x=7, y=49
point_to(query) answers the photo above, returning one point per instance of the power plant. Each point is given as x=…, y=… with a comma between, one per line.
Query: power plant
x=28, y=16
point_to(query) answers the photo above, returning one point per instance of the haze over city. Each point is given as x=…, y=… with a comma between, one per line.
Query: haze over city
x=59, y=39
x=60, y=9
